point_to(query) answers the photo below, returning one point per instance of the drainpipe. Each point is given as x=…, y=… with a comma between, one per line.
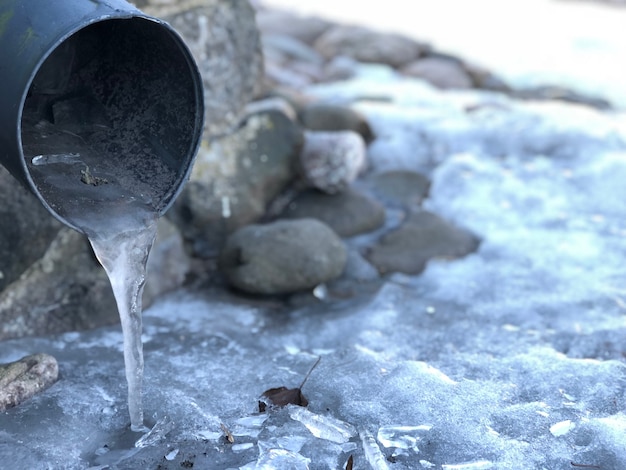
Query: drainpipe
x=98, y=75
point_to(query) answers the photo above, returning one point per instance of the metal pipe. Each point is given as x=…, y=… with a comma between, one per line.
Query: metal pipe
x=96, y=77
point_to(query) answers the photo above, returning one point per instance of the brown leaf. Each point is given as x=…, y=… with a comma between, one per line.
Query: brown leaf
x=350, y=463
x=283, y=396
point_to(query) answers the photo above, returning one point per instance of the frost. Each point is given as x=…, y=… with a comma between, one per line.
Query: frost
x=514, y=354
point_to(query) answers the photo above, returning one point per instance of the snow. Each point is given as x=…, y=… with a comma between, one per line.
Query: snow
x=512, y=357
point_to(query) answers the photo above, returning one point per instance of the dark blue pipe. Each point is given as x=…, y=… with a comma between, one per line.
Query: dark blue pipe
x=135, y=67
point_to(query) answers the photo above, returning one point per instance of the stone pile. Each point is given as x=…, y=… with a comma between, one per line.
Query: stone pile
x=283, y=198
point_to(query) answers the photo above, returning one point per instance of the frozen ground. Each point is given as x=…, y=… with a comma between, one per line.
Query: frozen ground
x=579, y=44
x=512, y=358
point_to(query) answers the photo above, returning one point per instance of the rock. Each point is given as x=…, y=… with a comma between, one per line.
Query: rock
x=369, y=46
x=66, y=289
x=348, y=213
x=27, y=229
x=235, y=178
x=543, y=93
x=282, y=257
x=272, y=103
x=421, y=237
x=330, y=161
x=225, y=42
x=305, y=29
x=483, y=78
x=402, y=188
x=51, y=281
x=440, y=72
x=326, y=117
x=22, y=379
x=290, y=49
x=168, y=264
x=339, y=68
x=359, y=278
x=279, y=75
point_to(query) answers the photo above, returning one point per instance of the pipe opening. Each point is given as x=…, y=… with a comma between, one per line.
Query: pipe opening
x=113, y=113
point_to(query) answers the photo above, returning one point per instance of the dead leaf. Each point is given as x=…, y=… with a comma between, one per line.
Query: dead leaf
x=283, y=396
x=350, y=463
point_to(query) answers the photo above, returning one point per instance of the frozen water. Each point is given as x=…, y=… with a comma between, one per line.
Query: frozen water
x=54, y=158
x=172, y=455
x=372, y=452
x=514, y=355
x=403, y=437
x=479, y=465
x=157, y=433
x=323, y=427
x=124, y=255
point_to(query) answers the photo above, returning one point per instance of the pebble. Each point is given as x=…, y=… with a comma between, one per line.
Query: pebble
x=440, y=72
x=400, y=188
x=421, y=237
x=282, y=257
x=291, y=48
x=327, y=117
x=369, y=46
x=348, y=213
x=330, y=161
x=305, y=29
x=20, y=380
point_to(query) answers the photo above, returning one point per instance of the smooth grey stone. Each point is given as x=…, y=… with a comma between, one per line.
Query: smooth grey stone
x=440, y=72
x=421, y=237
x=328, y=117
x=402, y=188
x=304, y=28
x=348, y=213
x=283, y=257
x=370, y=46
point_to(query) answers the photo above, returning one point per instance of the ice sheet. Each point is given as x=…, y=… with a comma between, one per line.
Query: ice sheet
x=512, y=357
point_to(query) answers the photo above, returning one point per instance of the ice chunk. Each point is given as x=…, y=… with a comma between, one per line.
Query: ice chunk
x=562, y=427
x=65, y=158
x=278, y=459
x=402, y=437
x=172, y=455
x=478, y=465
x=209, y=435
x=249, y=426
x=372, y=452
x=242, y=447
x=158, y=432
x=323, y=427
